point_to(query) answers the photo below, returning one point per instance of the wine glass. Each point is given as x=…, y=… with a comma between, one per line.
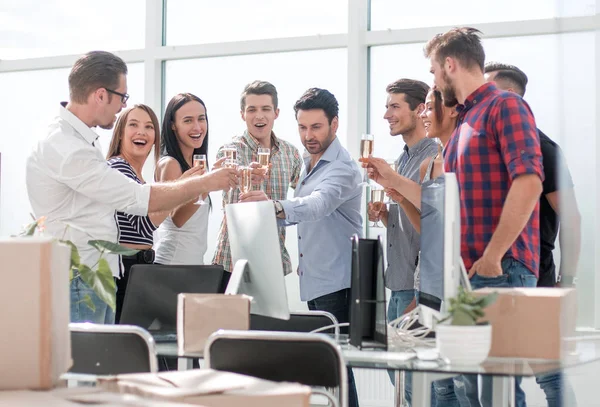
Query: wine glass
x=394, y=165
x=377, y=195
x=199, y=160
x=230, y=157
x=231, y=162
x=246, y=179
x=263, y=158
x=366, y=149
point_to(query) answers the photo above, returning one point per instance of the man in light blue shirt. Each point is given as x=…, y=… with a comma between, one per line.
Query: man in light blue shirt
x=326, y=207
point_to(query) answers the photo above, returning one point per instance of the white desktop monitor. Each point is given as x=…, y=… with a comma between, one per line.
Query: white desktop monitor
x=253, y=237
x=441, y=266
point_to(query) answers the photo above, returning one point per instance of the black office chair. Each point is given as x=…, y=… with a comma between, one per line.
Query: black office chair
x=300, y=321
x=111, y=349
x=309, y=359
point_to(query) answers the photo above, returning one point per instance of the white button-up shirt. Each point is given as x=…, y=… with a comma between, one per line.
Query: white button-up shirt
x=70, y=182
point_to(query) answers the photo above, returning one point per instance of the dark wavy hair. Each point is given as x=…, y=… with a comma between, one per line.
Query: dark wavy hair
x=169, y=146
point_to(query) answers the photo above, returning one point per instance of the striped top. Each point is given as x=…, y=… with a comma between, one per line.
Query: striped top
x=132, y=229
x=284, y=174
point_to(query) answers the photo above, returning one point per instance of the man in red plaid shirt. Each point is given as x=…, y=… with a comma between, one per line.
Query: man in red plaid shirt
x=495, y=153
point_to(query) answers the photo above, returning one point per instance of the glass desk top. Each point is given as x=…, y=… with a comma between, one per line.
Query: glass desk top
x=586, y=350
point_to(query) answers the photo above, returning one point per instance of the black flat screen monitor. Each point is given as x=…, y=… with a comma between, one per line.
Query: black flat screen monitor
x=151, y=296
x=368, y=320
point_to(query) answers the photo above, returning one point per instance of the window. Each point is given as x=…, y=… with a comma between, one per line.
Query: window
x=30, y=29
x=30, y=114
x=393, y=14
x=220, y=81
x=202, y=22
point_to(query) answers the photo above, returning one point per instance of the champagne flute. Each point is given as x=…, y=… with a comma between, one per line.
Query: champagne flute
x=263, y=158
x=246, y=179
x=199, y=160
x=231, y=157
x=394, y=166
x=377, y=195
x=366, y=149
x=231, y=162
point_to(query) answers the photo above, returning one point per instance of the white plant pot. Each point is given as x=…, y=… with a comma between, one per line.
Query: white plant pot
x=464, y=345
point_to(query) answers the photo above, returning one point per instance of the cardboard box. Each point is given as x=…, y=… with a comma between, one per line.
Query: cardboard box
x=209, y=388
x=199, y=315
x=531, y=322
x=35, y=346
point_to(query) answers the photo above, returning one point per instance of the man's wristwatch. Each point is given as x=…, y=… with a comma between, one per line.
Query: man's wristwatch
x=278, y=208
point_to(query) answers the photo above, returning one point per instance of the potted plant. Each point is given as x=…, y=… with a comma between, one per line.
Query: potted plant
x=98, y=276
x=462, y=337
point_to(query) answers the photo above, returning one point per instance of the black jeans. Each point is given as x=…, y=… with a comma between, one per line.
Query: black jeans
x=338, y=303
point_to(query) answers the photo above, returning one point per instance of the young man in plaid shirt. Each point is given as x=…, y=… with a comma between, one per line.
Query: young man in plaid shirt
x=495, y=153
x=259, y=110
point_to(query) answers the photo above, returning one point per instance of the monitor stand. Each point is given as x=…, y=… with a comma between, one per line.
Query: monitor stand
x=238, y=274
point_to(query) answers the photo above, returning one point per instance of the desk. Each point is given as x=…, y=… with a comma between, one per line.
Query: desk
x=424, y=372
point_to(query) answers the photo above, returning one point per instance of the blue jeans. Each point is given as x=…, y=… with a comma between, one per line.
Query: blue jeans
x=442, y=391
x=80, y=312
x=399, y=300
x=556, y=389
x=338, y=303
x=514, y=274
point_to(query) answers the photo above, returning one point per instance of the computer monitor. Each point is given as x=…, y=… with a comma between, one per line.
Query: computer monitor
x=256, y=255
x=441, y=266
x=152, y=290
x=368, y=321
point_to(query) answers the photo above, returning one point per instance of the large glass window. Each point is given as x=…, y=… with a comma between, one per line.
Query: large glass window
x=30, y=28
x=220, y=81
x=393, y=14
x=27, y=116
x=207, y=21
x=561, y=93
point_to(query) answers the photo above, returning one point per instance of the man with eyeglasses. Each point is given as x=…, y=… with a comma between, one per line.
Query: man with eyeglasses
x=69, y=181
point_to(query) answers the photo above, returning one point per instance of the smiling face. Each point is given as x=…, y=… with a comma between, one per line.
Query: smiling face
x=138, y=135
x=259, y=114
x=439, y=120
x=190, y=125
x=400, y=118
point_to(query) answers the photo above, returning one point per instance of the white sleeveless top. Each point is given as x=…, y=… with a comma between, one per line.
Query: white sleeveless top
x=185, y=245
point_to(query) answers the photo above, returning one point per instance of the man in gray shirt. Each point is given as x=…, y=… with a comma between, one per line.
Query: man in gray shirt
x=405, y=103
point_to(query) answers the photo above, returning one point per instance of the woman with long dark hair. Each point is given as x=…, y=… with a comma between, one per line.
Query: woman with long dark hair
x=182, y=237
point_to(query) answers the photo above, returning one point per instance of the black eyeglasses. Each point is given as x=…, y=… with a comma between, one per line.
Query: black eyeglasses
x=124, y=96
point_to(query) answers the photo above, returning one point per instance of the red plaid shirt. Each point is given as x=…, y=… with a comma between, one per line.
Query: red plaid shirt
x=495, y=141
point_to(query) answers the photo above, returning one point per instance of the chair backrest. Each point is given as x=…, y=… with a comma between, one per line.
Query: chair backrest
x=152, y=290
x=299, y=322
x=111, y=349
x=310, y=359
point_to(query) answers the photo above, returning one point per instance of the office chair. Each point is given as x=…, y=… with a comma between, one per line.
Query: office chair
x=309, y=359
x=111, y=349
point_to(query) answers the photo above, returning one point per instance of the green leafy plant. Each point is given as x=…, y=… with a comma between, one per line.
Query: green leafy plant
x=98, y=276
x=466, y=308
